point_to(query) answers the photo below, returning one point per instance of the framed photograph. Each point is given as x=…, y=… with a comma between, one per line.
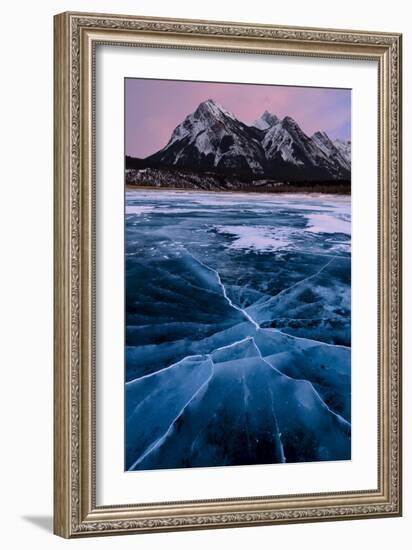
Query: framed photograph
x=227, y=274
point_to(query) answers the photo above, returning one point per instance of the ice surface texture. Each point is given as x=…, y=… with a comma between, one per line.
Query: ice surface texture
x=237, y=329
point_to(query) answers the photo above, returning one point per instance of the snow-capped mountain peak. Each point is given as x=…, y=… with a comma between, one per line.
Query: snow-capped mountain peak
x=206, y=114
x=265, y=121
x=287, y=141
x=212, y=139
x=279, y=143
x=290, y=122
x=211, y=108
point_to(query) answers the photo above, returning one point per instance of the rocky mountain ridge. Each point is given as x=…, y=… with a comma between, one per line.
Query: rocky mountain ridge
x=212, y=140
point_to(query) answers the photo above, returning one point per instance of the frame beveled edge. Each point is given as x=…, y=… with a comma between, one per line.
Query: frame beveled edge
x=75, y=511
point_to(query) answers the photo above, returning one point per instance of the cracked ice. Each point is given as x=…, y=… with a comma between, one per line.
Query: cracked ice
x=237, y=329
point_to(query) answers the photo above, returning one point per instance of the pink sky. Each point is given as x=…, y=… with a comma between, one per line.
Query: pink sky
x=153, y=108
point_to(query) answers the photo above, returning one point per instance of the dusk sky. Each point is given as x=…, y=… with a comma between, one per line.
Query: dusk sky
x=153, y=108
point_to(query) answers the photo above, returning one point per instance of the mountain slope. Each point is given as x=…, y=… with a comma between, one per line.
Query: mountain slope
x=345, y=148
x=331, y=151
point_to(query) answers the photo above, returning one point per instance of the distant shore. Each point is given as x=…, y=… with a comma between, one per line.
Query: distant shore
x=287, y=189
x=155, y=178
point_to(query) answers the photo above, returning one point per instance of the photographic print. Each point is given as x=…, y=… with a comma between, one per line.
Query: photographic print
x=237, y=274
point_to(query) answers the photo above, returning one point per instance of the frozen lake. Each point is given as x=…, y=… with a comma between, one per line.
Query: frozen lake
x=237, y=328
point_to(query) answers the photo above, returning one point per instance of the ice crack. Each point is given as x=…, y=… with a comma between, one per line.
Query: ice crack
x=285, y=290
x=156, y=444
x=222, y=286
x=309, y=339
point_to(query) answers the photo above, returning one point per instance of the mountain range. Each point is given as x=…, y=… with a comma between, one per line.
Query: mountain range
x=212, y=140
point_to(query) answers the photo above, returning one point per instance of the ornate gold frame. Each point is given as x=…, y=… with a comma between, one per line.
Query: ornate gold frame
x=75, y=38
